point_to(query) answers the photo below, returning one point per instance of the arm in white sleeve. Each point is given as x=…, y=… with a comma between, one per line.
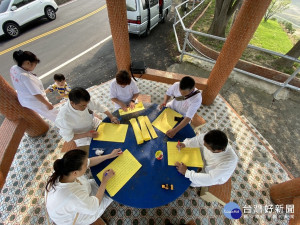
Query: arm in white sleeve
x=113, y=90
x=33, y=89
x=64, y=129
x=85, y=203
x=135, y=87
x=171, y=90
x=196, y=103
x=95, y=105
x=215, y=176
x=194, y=142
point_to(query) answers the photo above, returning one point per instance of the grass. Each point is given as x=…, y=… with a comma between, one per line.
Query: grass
x=269, y=34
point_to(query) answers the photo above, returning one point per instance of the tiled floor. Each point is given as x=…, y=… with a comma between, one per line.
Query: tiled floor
x=21, y=199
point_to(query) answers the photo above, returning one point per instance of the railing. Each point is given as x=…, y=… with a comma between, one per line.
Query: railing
x=205, y=58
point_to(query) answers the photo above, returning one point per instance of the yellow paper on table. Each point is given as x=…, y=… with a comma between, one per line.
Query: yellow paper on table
x=125, y=166
x=145, y=133
x=150, y=127
x=165, y=121
x=112, y=132
x=137, y=132
x=138, y=107
x=189, y=156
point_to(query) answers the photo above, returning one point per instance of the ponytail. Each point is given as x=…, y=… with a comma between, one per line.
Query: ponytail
x=71, y=161
x=21, y=56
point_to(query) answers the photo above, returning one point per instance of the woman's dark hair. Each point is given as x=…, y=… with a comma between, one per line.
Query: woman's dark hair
x=71, y=161
x=59, y=77
x=22, y=56
x=123, y=78
x=187, y=83
x=216, y=139
x=79, y=94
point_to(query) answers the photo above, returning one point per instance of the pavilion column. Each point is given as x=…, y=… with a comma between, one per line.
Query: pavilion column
x=12, y=110
x=284, y=193
x=246, y=23
x=117, y=14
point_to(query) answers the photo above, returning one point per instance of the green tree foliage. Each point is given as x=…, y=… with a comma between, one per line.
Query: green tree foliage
x=276, y=6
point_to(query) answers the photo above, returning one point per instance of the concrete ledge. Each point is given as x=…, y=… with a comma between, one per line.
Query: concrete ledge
x=11, y=135
x=170, y=78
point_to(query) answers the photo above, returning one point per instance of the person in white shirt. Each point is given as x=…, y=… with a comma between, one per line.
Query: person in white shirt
x=123, y=91
x=220, y=159
x=30, y=90
x=187, y=100
x=76, y=121
x=70, y=197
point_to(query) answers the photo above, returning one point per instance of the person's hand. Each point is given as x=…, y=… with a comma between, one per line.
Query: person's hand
x=107, y=175
x=132, y=105
x=116, y=152
x=92, y=134
x=124, y=107
x=50, y=107
x=181, y=168
x=171, y=133
x=162, y=105
x=115, y=120
x=180, y=145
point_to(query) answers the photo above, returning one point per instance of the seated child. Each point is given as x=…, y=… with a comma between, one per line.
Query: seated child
x=186, y=100
x=123, y=91
x=60, y=86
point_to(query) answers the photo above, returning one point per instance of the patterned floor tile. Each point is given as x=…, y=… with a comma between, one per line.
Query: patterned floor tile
x=21, y=199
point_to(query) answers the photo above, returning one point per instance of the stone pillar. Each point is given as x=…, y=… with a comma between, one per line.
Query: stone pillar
x=246, y=23
x=284, y=193
x=12, y=110
x=117, y=14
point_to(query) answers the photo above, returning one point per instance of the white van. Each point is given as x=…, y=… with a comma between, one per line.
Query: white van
x=144, y=15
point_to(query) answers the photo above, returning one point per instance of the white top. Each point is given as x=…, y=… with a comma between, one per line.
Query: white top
x=71, y=121
x=27, y=85
x=68, y=199
x=187, y=107
x=218, y=168
x=124, y=94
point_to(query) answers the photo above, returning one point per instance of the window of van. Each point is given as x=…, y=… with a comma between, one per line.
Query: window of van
x=153, y=3
x=4, y=5
x=144, y=4
x=131, y=5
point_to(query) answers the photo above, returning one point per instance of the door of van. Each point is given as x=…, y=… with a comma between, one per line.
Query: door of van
x=154, y=12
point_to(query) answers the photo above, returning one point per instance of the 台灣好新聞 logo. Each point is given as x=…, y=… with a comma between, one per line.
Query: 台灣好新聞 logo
x=232, y=211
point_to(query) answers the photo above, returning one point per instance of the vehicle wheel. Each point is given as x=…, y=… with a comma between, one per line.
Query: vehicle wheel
x=165, y=17
x=11, y=29
x=50, y=13
x=147, y=32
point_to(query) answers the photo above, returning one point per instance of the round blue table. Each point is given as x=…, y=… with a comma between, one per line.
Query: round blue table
x=144, y=190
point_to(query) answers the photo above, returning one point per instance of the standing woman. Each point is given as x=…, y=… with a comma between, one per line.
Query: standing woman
x=30, y=90
x=70, y=197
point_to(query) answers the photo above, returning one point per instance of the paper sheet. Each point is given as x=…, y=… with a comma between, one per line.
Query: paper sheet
x=189, y=156
x=165, y=121
x=138, y=107
x=150, y=127
x=145, y=133
x=137, y=132
x=125, y=166
x=112, y=132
